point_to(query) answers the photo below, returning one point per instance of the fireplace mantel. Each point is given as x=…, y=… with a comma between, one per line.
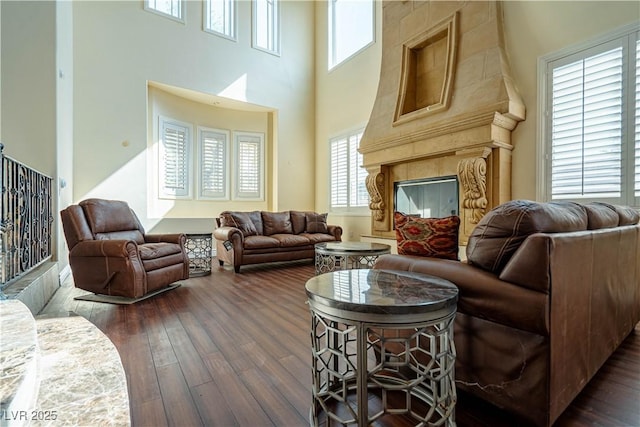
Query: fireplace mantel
x=446, y=105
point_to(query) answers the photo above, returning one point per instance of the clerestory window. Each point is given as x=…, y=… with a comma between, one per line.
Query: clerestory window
x=173, y=9
x=351, y=28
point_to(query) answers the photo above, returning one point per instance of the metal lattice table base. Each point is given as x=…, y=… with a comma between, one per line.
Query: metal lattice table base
x=411, y=365
x=198, y=248
x=326, y=263
x=334, y=256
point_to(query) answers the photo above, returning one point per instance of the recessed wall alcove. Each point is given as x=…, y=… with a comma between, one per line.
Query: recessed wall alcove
x=427, y=71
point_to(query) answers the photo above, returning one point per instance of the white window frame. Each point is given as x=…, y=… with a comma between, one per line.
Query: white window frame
x=229, y=18
x=630, y=125
x=333, y=31
x=350, y=141
x=204, y=133
x=165, y=192
x=272, y=26
x=178, y=15
x=257, y=139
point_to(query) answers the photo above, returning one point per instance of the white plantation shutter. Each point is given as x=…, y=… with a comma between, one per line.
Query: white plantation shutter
x=348, y=188
x=357, y=174
x=174, y=159
x=587, y=127
x=340, y=173
x=593, y=121
x=637, y=127
x=249, y=159
x=214, y=147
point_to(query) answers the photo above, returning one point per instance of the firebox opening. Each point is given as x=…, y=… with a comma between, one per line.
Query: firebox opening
x=427, y=198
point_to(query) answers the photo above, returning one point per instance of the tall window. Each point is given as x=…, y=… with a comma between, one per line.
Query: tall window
x=266, y=25
x=213, y=159
x=220, y=18
x=170, y=8
x=351, y=28
x=348, y=188
x=174, y=168
x=249, y=159
x=593, y=122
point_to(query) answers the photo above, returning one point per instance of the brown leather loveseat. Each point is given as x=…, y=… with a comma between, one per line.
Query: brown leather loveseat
x=110, y=254
x=547, y=294
x=255, y=237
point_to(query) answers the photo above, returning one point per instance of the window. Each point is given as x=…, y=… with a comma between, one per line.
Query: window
x=220, y=18
x=213, y=158
x=249, y=160
x=266, y=25
x=351, y=28
x=592, y=122
x=348, y=188
x=174, y=168
x=170, y=8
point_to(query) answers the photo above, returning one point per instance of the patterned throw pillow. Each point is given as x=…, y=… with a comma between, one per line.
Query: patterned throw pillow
x=429, y=237
x=316, y=223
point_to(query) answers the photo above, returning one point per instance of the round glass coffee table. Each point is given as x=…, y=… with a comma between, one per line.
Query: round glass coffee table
x=332, y=256
x=382, y=345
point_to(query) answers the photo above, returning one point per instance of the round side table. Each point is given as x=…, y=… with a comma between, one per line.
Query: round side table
x=382, y=345
x=332, y=256
x=199, y=247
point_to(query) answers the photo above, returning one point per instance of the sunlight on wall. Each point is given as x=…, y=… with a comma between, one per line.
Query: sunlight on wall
x=236, y=90
x=118, y=186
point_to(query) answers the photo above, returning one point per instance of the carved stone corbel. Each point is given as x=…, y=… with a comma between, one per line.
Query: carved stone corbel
x=375, y=187
x=376, y=183
x=472, y=174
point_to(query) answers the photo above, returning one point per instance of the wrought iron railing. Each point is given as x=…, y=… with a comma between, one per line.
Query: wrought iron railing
x=25, y=225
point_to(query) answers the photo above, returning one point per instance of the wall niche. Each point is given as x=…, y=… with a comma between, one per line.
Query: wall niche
x=428, y=64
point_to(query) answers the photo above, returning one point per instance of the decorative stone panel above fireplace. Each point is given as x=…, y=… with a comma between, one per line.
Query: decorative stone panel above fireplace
x=446, y=105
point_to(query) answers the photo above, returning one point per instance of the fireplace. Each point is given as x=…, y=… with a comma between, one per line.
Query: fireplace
x=427, y=198
x=446, y=106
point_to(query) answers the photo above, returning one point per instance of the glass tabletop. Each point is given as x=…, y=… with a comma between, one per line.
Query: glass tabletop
x=352, y=246
x=382, y=291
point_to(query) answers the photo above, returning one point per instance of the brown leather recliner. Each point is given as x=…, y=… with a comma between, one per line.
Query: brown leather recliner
x=110, y=254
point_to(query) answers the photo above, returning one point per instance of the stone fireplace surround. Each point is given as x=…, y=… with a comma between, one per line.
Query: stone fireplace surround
x=446, y=105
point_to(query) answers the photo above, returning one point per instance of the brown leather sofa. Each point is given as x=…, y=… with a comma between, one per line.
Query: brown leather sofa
x=110, y=254
x=548, y=292
x=244, y=238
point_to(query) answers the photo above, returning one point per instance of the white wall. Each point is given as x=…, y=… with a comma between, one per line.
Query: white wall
x=344, y=100
x=118, y=47
x=64, y=119
x=28, y=84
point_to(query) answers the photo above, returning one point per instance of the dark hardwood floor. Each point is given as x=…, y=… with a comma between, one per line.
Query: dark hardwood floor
x=234, y=350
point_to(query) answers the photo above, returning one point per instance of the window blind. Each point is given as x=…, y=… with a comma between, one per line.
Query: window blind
x=213, y=165
x=586, y=135
x=348, y=178
x=174, y=160
x=637, y=122
x=249, y=161
x=340, y=173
